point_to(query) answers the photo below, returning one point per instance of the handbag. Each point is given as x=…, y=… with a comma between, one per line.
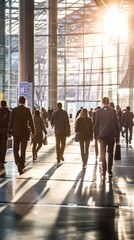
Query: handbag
x=117, y=153
x=45, y=142
x=77, y=137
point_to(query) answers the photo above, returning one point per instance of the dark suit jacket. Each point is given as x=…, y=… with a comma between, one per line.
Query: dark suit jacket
x=127, y=119
x=20, y=121
x=60, y=121
x=106, y=123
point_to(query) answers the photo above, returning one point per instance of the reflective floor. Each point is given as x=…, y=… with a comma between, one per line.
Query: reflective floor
x=64, y=202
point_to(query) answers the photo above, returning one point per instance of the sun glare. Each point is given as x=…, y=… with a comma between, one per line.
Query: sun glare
x=114, y=23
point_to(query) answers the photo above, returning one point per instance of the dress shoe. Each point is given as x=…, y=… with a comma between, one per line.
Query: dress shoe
x=110, y=173
x=103, y=174
x=34, y=158
x=61, y=158
x=21, y=171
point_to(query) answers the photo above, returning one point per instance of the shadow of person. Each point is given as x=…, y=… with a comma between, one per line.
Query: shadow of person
x=19, y=208
x=88, y=211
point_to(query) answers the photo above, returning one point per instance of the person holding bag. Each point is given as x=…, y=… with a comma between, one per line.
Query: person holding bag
x=84, y=126
x=39, y=129
x=107, y=132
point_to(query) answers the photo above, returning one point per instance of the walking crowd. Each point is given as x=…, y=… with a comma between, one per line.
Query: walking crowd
x=104, y=124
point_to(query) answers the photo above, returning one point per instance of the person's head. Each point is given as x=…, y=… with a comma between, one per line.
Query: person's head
x=111, y=104
x=3, y=103
x=59, y=105
x=84, y=113
x=105, y=101
x=22, y=100
x=127, y=108
x=37, y=112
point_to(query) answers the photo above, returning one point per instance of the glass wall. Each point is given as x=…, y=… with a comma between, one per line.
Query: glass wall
x=92, y=53
x=12, y=51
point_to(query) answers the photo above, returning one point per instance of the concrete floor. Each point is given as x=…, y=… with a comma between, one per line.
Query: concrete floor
x=50, y=202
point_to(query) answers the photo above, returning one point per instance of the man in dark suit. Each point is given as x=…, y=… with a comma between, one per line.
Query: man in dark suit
x=20, y=121
x=4, y=121
x=127, y=121
x=60, y=121
x=107, y=130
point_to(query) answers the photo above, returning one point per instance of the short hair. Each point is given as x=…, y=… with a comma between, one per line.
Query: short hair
x=111, y=104
x=3, y=103
x=105, y=100
x=22, y=100
x=37, y=112
x=128, y=108
x=59, y=105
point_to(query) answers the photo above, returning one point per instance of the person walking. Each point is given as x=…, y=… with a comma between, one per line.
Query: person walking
x=127, y=121
x=84, y=125
x=107, y=130
x=39, y=129
x=4, y=121
x=60, y=121
x=44, y=115
x=95, y=136
x=19, y=124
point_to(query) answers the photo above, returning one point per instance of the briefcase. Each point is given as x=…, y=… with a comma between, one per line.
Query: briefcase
x=117, y=153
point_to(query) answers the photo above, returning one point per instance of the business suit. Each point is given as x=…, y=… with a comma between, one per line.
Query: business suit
x=84, y=126
x=128, y=125
x=3, y=134
x=106, y=129
x=20, y=121
x=60, y=121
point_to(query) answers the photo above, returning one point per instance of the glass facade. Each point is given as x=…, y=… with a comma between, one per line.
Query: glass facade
x=92, y=52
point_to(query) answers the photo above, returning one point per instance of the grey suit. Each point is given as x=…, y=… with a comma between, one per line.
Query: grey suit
x=106, y=130
x=20, y=121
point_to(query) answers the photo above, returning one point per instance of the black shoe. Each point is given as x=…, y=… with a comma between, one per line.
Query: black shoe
x=21, y=171
x=61, y=158
x=110, y=173
x=103, y=174
x=34, y=157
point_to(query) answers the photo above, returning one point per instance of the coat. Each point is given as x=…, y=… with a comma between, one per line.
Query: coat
x=20, y=122
x=106, y=123
x=85, y=127
x=60, y=121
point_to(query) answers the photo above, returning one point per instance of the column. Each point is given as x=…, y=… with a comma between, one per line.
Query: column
x=26, y=43
x=2, y=48
x=52, y=4
x=131, y=57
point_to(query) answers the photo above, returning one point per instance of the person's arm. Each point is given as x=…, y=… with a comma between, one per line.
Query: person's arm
x=31, y=124
x=43, y=126
x=11, y=120
x=52, y=121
